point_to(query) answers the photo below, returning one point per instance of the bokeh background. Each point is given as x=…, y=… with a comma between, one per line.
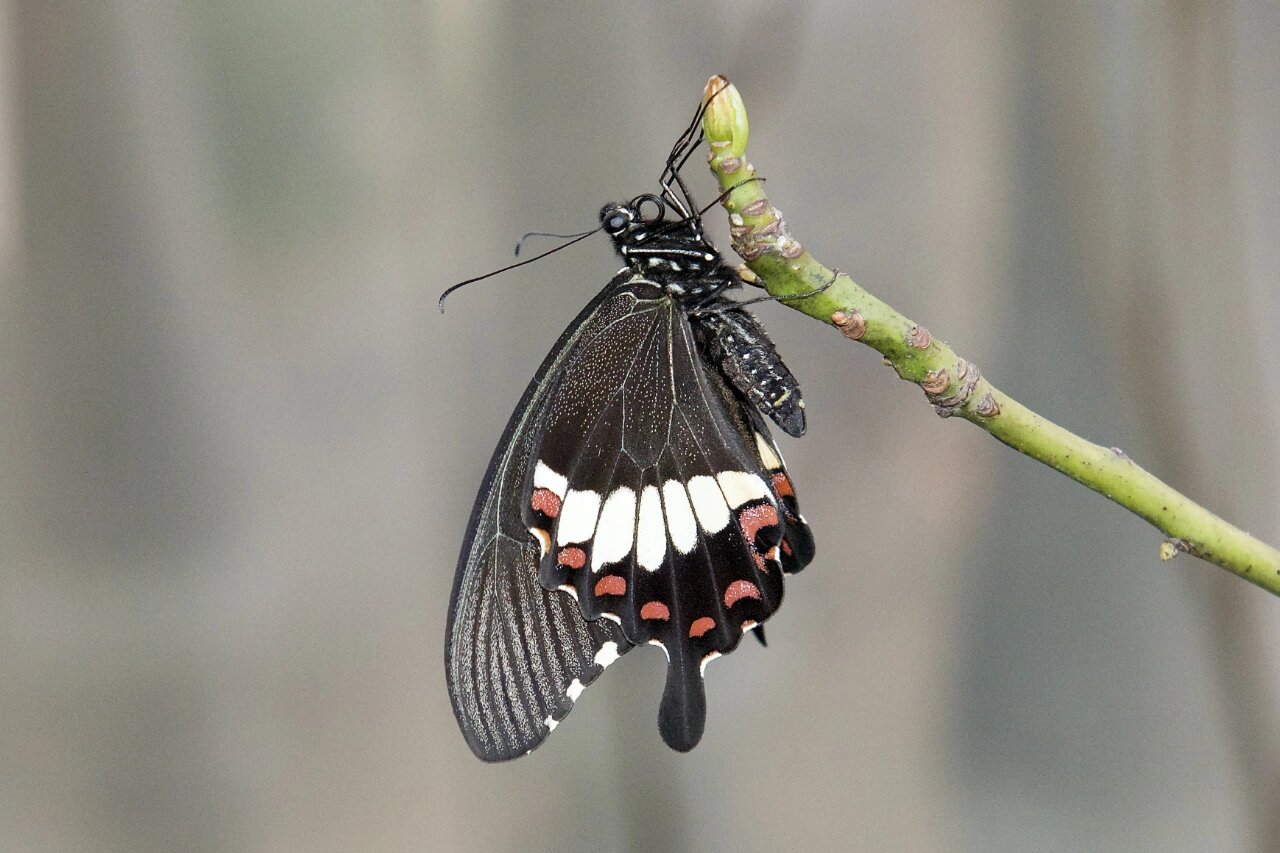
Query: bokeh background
x=239, y=445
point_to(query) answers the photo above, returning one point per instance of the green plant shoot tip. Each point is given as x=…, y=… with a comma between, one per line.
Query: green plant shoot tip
x=725, y=119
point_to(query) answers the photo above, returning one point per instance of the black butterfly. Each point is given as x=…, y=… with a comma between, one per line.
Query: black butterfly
x=635, y=497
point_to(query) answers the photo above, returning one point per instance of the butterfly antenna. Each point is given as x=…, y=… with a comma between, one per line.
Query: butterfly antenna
x=450, y=290
x=524, y=237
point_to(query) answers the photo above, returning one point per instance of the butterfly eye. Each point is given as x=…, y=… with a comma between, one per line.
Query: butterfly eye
x=649, y=208
x=614, y=218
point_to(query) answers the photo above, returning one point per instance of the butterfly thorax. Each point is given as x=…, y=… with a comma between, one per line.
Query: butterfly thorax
x=674, y=254
x=677, y=256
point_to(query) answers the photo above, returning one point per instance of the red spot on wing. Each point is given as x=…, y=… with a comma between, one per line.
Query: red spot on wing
x=701, y=626
x=655, y=610
x=782, y=485
x=546, y=502
x=739, y=590
x=786, y=547
x=752, y=518
x=573, y=557
x=611, y=585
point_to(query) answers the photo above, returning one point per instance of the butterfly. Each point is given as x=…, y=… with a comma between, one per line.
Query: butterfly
x=636, y=496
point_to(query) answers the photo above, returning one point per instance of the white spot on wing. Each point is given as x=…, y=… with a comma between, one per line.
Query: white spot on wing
x=740, y=487
x=616, y=529
x=551, y=724
x=575, y=690
x=708, y=503
x=651, y=536
x=767, y=454
x=684, y=532
x=578, y=516
x=659, y=644
x=544, y=539
x=608, y=654
x=702, y=669
x=545, y=478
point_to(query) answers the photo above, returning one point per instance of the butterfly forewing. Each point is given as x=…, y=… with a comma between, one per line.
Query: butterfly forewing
x=517, y=654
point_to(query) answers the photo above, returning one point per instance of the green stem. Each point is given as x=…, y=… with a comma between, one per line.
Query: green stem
x=953, y=385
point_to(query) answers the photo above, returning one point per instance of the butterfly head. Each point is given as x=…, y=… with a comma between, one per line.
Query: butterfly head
x=634, y=222
x=655, y=245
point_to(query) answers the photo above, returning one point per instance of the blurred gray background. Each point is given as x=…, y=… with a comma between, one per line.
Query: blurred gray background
x=239, y=446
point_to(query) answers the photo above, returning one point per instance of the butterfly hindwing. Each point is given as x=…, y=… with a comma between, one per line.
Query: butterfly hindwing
x=797, y=548
x=657, y=498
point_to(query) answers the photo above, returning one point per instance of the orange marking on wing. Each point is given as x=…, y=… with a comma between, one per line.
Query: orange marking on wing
x=655, y=610
x=546, y=502
x=782, y=485
x=739, y=590
x=752, y=518
x=573, y=557
x=701, y=626
x=611, y=585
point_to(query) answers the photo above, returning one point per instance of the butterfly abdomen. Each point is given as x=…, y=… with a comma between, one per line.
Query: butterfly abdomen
x=736, y=343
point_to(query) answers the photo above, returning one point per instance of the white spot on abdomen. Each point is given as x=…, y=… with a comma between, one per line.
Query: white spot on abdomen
x=680, y=524
x=651, y=536
x=615, y=533
x=708, y=503
x=578, y=516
